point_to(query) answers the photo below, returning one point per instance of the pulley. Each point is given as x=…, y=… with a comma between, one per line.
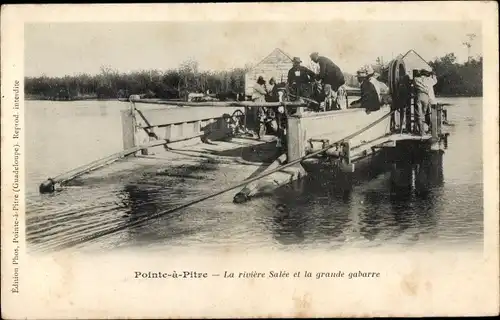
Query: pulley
x=397, y=76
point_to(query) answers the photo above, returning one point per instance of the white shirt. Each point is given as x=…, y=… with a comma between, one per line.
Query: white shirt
x=426, y=85
x=380, y=87
x=259, y=93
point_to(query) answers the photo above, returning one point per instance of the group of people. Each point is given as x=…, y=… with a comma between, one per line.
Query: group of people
x=263, y=92
x=327, y=87
x=375, y=94
x=324, y=87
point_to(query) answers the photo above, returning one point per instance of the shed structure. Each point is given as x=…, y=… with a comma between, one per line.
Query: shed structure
x=414, y=61
x=276, y=64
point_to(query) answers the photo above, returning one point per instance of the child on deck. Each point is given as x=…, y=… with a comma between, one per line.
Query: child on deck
x=424, y=86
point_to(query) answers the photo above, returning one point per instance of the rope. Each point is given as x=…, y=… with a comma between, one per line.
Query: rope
x=214, y=194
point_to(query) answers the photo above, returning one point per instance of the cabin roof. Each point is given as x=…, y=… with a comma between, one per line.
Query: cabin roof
x=414, y=61
x=276, y=51
x=411, y=51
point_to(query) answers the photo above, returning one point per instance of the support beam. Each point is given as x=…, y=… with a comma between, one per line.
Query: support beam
x=295, y=139
x=434, y=122
x=128, y=129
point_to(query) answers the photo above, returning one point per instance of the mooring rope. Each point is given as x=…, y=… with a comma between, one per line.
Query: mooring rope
x=214, y=194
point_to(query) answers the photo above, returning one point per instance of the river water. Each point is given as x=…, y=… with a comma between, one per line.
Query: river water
x=388, y=208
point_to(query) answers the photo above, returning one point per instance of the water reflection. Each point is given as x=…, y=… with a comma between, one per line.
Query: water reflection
x=148, y=218
x=397, y=200
x=413, y=184
x=141, y=202
x=288, y=221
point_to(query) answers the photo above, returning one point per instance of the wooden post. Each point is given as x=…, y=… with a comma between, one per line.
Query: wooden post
x=183, y=129
x=197, y=127
x=295, y=138
x=401, y=118
x=439, y=118
x=411, y=123
x=128, y=129
x=408, y=115
x=168, y=132
x=346, y=165
x=173, y=132
x=434, y=122
x=346, y=150
x=300, y=110
x=393, y=122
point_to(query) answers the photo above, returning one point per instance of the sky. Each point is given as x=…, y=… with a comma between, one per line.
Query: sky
x=58, y=49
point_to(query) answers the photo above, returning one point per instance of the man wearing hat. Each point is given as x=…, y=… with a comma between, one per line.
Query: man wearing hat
x=372, y=90
x=329, y=72
x=299, y=77
x=257, y=115
x=259, y=90
x=330, y=77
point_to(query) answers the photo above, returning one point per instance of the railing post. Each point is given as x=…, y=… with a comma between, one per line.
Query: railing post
x=128, y=129
x=300, y=111
x=411, y=120
x=295, y=138
x=401, y=118
x=439, y=118
x=434, y=122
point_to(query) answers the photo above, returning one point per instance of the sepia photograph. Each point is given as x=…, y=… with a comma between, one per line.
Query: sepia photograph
x=178, y=139
x=189, y=141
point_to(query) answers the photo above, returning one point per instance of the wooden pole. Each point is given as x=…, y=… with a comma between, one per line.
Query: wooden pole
x=439, y=119
x=434, y=122
x=48, y=186
x=253, y=187
x=248, y=104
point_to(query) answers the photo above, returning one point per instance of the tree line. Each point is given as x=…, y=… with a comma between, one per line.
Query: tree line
x=110, y=84
x=458, y=79
x=454, y=79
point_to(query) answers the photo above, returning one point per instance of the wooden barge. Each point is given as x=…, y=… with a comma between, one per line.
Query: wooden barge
x=341, y=139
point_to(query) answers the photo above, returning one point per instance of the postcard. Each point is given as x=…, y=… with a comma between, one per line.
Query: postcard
x=251, y=160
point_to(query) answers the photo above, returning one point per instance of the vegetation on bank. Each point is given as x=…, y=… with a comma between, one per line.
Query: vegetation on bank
x=458, y=79
x=454, y=79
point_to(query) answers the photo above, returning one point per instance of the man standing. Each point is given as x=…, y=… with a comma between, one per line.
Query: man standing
x=299, y=78
x=424, y=82
x=299, y=74
x=329, y=72
x=330, y=76
x=258, y=114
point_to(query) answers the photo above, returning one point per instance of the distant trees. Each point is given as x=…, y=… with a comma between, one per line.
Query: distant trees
x=458, y=79
x=453, y=79
x=109, y=83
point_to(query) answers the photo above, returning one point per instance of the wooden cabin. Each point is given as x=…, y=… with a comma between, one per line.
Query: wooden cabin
x=276, y=64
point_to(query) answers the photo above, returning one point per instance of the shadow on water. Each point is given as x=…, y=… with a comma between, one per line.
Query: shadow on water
x=288, y=223
x=387, y=200
x=143, y=202
x=407, y=208
x=177, y=187
x=172, y=189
